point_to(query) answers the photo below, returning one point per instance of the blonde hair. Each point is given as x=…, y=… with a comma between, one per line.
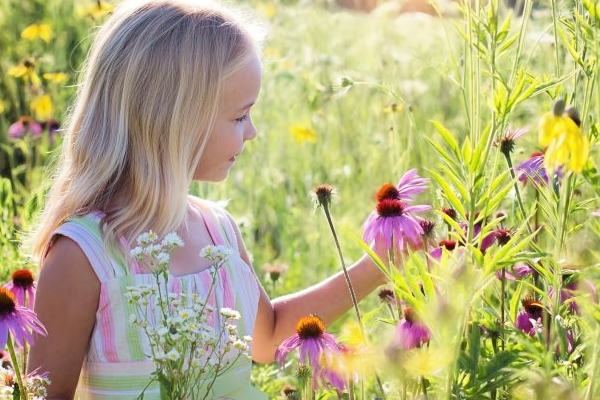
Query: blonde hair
x=143, y=113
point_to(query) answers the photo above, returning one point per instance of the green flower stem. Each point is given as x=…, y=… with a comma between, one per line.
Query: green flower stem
x=555, y=28
x=517, y=191
x=424, y=387
x=345, y=270
x=502, y=307
x=350, y=287
x=590, y=389
x=15, y=365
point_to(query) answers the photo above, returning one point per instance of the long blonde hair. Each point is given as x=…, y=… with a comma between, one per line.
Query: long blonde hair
x=146, y=104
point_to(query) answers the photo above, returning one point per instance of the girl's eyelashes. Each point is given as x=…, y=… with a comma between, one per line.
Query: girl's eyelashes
x=242, y=118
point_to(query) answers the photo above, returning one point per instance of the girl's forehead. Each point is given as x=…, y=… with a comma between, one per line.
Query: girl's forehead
x=241, y=88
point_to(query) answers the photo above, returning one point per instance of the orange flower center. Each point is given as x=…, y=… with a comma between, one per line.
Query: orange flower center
x=22, y=278
x=387, y=191
x=310, y=327
x=7, y=301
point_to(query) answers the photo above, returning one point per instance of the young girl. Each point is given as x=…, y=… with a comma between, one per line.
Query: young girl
x=165, y=99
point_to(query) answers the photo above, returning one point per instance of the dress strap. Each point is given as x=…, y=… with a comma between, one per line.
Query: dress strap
x=217, y=223
x=86, y=231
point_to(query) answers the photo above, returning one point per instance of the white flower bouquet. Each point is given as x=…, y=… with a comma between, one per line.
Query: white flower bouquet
x=191, y=342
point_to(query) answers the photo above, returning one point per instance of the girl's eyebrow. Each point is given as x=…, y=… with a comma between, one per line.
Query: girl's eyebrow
x=247, y=106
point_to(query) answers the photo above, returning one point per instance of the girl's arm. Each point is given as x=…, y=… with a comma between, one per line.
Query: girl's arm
x=329, y=299
x=66, y=303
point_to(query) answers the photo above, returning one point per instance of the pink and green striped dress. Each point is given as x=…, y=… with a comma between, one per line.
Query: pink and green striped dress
x=116, y=365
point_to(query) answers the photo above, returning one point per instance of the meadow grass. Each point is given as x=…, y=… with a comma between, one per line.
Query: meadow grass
x=349, y=99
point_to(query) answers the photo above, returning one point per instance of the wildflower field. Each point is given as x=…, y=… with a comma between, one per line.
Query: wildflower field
x=468, y=140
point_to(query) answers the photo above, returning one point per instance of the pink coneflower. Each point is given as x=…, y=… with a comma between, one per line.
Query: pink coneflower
x=410, y=185
x=572, y=290
x=520, y=270
x=17, y=320
x=488, y=241
x=530, y=319
x=24, y=125
x=410, y=333
x=312, y=341
x=533, y=170
x=392, y=225
x=23, y=287
x=444, y=244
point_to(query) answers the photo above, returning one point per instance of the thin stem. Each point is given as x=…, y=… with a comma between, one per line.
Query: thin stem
x=424, y=387
x=502, y=306
x=350, y=287
x=15, y=365
x=592, y=381
x=346, y=275
x=517, y=191
x=556, y=47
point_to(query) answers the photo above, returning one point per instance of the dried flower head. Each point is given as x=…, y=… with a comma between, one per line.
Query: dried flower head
x=275, y=270
x=427, y=227
x=503, y=236
x=387, y=296
x=450, y=212
x=323, y=195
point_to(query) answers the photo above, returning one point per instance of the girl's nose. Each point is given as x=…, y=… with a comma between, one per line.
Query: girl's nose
x=251, y=132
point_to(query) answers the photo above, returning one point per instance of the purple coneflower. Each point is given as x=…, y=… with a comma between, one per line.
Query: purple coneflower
x=571, y=290
x=530, y=319
x=392, y=225
x=507, y=142
x=24, y=125
x=17, y=320
x=410, y=333
x=533, y=169
x=520, y=270
x=410, y=185
x=23, y=286
x=444, y=244
x=312, y=341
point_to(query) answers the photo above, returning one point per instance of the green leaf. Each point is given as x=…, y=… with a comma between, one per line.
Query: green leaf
x=447, y=136
x=448, y=193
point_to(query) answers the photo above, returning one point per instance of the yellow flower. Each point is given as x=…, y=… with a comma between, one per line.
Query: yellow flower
x=566, y=144
x=41, y=107
x=268, y=10
x=34, y=31
x=426, y=362
x=303, y=133
x=1, y=106
x=56, y=77
x=26, y=71
x=96, y=10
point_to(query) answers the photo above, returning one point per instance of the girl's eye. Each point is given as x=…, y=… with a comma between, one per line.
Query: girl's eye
x=242, y=118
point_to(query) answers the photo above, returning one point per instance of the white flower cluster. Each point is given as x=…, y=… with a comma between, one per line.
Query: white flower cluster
x=156, y=254
x=187, y=337
x=35, y=385
x=218, y=255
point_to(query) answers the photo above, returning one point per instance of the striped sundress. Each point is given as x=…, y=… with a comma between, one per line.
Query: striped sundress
x=116, y=365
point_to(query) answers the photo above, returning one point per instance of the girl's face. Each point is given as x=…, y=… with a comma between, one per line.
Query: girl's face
x=233, y=125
